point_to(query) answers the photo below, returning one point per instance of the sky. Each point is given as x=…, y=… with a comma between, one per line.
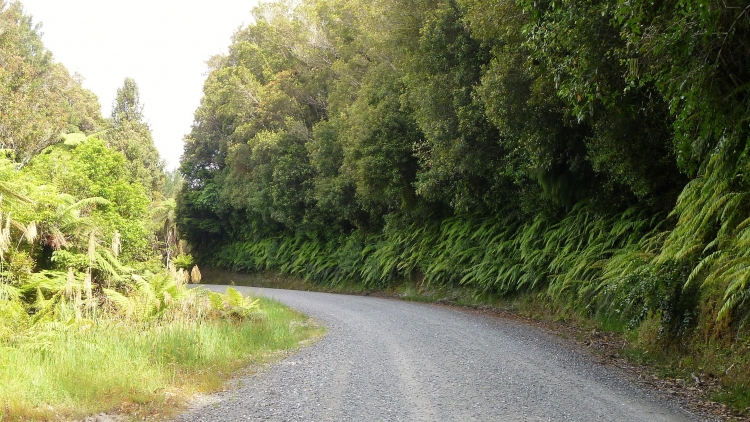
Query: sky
x=162, y=44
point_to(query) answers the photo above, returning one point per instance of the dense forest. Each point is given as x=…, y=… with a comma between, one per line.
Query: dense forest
x=82, y=201
x=594, y=151
x=93, y=296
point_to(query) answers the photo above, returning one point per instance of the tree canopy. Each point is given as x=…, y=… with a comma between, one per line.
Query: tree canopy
x=130, y=134
x=40, y=99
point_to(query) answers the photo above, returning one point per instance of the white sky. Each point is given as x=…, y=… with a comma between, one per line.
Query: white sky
x=162, y=44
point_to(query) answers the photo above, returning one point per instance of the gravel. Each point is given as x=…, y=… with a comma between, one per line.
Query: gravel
x=389, y=360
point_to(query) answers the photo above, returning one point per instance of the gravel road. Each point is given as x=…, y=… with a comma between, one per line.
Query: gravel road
x=389, y=360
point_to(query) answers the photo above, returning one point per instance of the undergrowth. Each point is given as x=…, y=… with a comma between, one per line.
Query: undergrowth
x=141, y=350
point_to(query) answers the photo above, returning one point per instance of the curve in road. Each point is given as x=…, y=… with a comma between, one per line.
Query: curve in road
x=390, y=360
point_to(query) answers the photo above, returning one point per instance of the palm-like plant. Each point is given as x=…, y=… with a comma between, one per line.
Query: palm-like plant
x=164, y=215
x=148, y=296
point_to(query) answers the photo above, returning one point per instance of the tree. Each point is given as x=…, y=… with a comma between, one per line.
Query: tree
x=39, y=100
x=578, y=46
x=91, y=169
x=130, y=135
x=127, y=105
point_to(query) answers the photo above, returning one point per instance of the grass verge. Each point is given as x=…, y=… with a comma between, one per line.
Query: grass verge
x=140, y=370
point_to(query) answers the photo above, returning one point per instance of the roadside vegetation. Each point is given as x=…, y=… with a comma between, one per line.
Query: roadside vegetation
x=95, y=313
x=593, y=155
x=142, y=369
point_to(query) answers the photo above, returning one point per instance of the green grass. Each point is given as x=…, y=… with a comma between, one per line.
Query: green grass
x=137, y=369
x=737, y=396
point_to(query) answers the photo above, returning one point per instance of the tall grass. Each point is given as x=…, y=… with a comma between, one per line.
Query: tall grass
x=79, y=368
x=74, y=343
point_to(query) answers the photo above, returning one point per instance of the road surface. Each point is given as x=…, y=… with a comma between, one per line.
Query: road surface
x=390, y=360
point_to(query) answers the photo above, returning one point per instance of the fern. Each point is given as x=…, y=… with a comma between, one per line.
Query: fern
x=233, y=305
